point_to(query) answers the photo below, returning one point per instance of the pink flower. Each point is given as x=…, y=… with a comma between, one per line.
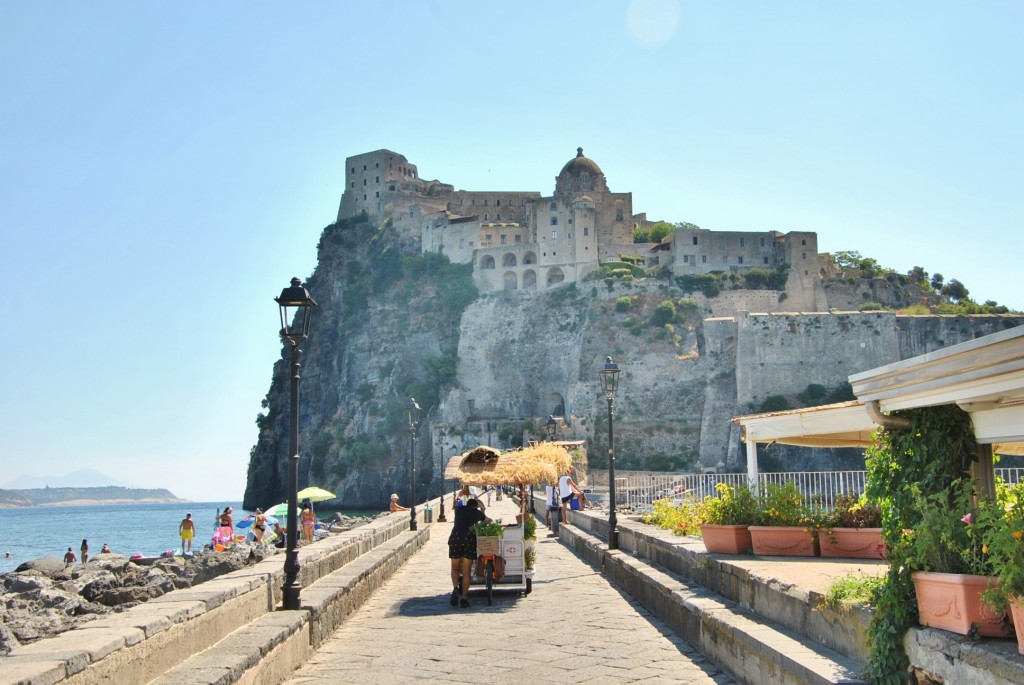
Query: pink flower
x=966, y=519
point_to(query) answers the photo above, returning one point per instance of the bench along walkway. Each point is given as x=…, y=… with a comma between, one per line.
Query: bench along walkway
x=575, y=627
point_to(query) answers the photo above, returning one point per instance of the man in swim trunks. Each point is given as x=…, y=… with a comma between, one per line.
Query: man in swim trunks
x=187, y=531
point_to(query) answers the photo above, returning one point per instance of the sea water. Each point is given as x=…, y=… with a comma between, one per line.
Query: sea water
x=146, y=529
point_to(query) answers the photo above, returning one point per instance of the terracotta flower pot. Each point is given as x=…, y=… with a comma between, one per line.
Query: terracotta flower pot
x=783, y=541
x=726, y=539
x=952, y=601
x=852, y=543
x=1017, y=612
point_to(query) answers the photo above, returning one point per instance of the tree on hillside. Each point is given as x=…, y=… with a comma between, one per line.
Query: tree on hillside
x=918, y=275
x=955, y=290
x=653, y=234
x=937, y=281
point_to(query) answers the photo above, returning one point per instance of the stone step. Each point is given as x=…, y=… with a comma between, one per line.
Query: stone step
x=268, y=649
x=752, y=649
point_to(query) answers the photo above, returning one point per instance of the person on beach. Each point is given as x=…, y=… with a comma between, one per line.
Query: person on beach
x=187, y=531
x=308, y=523
x=395, y=506
x=85, y=551
x=69, y=558
x=462, y=549
x=281, y=533
x=259, y=526
x=106, y=549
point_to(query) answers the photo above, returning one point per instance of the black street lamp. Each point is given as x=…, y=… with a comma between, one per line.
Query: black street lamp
x=442, y=518
x=414, y=416
x=296, y=305
x=610, y=383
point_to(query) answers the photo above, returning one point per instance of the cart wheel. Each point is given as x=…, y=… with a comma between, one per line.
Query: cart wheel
x=529, y=585
x=489, y=576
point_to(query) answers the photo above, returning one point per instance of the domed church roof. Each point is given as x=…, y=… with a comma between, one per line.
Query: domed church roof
x=580, y=175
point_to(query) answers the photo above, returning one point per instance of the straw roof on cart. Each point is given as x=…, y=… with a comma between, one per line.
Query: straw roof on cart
x=540, y=463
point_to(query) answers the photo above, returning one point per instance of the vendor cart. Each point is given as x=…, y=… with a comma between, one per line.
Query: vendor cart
x=539, y=463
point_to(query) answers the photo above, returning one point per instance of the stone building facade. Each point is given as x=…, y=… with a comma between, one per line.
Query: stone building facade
x=520, y=240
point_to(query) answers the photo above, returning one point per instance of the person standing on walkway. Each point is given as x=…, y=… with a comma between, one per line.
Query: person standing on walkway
x=85, y=551
x=187, y=531
x=462, y=549
x=567, y=489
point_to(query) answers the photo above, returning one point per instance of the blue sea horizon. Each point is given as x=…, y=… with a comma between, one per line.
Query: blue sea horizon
x=148, y=529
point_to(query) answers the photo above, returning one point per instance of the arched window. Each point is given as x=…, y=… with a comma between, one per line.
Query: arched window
x=555, y=276
x=530, y=258
x=554, y=206
x=509, y=260
x=529, y=280
x=487, y=262
x=511, y=281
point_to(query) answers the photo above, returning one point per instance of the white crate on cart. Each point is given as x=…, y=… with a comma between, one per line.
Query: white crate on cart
x=512, y=549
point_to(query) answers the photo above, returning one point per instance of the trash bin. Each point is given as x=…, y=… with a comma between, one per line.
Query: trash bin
x=574, y=504
x=428, y=515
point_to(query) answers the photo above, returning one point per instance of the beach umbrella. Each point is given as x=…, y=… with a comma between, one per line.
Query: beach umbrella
x=280, y=510
x=315, y=494
x=249, y=520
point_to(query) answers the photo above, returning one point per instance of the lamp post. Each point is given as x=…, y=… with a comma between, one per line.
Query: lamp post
x=414, y=415
x=442, y=518
x=610, y=383
x=296, y=305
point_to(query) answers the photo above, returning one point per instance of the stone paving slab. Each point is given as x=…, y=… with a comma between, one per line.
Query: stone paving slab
x=575, y=627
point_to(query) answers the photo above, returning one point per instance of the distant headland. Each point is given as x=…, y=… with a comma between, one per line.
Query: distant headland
x=64, y=496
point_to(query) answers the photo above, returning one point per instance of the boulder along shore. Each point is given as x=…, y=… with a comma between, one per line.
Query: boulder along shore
x=44, y=597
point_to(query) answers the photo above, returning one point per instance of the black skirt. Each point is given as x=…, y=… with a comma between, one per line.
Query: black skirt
x=462, y=546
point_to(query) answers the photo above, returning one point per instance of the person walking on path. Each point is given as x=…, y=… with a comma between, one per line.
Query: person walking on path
x=462, y=550
x=69, y=557
x=187, y=531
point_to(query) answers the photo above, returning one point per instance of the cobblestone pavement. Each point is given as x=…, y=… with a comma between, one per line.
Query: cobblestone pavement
x=574, y=628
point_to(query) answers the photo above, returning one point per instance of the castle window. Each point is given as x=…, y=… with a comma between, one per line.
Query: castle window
x=497, y=203
x=488, y=237
x=703, y=259
x=554, y=235
x=504, y=239
x=762, y=242
x=377, y=179
x=353, y=170
x=618, y=210
x=742, y=244
x=554, y=221
x=485, y=203
x=803, y=255
x=519, y=238
x=473, y=202
x=364, y=181
x=586, y=230
x=410, y=213
x=364, y=196
x=686, y=259
x=376, y=165
x=803, y=242
x=739, y=260
x=554, y=206
x=569, y=220
x=364, y=167
x=353, y=184
x=461, y=201
x=378, y=193
x=694, y=240
x=391, y=187
x=765, y=260
x=485, y=217
x=497, y=217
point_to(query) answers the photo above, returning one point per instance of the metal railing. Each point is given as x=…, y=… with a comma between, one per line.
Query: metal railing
x=819, y=488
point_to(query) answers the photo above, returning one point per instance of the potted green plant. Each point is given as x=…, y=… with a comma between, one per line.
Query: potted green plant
x=1005, y=546
x=853, y=529
x=529, y=542
x=724, y=519
x=953, y=567
x=785, y=524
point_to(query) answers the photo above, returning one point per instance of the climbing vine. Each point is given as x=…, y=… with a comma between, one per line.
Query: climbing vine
x=932, y=455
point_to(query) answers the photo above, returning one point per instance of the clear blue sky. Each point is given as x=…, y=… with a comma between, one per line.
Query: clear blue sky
x=166, y=168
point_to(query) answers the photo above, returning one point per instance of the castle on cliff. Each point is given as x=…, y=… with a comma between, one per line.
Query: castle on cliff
x=522, y=240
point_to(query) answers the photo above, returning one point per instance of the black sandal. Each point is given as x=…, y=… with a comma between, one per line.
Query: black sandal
x=455, y=597
x=463, y=603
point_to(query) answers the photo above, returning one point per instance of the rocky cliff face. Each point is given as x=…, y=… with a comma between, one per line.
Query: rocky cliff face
x=393, y=324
